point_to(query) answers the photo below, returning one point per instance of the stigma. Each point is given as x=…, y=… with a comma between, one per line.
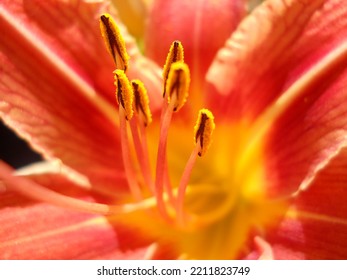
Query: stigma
x=134, y=118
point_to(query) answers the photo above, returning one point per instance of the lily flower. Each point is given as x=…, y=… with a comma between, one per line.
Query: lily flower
x=236, y=148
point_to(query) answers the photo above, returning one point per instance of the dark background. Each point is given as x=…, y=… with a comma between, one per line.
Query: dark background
x=13, y=150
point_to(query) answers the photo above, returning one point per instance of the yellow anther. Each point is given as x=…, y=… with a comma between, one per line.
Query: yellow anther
x=141, y=101
x=114, y=41
x=124, y=93
x=177, y=85
x=203, y=130
x=175, y=54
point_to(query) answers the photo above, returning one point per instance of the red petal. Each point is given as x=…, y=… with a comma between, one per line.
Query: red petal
x=285, y=51
x=308, y=136
x=316, y=227
x=41, y=231
x=274, y=46
x=202, y=27
x=313, y=129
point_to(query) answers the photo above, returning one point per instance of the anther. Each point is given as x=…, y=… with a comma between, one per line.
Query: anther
x=203, y=133
x=175, y=54
x=141, y=102
x=114, y=41
x=138, y=125
x=203, y=130
x=124, y=93
x=177, y=85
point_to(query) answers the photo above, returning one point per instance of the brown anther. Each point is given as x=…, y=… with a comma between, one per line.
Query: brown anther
x=203, y=130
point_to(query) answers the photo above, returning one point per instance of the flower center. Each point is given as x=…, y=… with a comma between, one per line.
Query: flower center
x=208, y=196
x=134, y=113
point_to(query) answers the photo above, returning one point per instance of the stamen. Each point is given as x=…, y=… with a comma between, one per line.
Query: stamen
x=203, y=130
x=177, y=91
x=178, y=84
x=143, y=113
x=161, y=170
x=114, y=41
x=176, y=53
x=141, y=102
x=147, y=168
x=172, y=75
x=124, y=93
x=203, y=134
x=125, y=99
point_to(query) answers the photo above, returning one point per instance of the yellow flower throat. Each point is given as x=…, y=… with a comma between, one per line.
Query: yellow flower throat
x=207, y=207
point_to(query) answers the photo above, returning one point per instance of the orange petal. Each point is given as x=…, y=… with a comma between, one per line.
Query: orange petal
x=310, y=133
x=316, y=226
x=41, y=231
x=312, y=128
x=33, y=230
